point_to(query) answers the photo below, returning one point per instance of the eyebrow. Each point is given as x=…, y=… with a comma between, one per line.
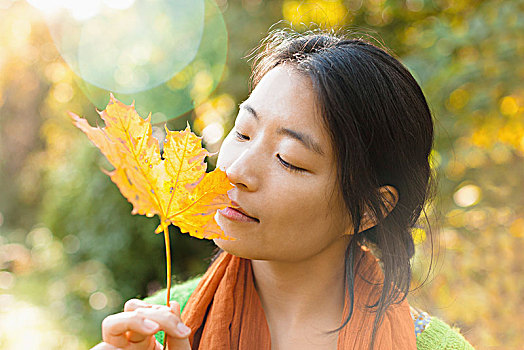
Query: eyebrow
x=250, y=109
x=305, y=139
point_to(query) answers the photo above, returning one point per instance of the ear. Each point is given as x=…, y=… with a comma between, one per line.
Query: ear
x=389, y=197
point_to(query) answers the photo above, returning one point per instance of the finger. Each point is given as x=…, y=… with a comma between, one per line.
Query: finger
x=139, y=338
x=115, y=328
x=175, y=307
x=104, y=346
x=167, y=320
x=179, y=343
x=133, y=304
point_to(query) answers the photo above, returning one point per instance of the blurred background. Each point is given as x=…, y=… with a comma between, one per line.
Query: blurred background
x=71, y=252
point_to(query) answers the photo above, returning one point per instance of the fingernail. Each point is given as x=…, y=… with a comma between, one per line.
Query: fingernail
x=150, y=325
x=184, y=330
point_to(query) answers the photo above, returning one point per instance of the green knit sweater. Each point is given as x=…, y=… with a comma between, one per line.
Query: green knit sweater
x=436, y=336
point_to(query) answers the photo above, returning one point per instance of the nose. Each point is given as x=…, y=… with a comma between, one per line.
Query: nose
x=242, y=171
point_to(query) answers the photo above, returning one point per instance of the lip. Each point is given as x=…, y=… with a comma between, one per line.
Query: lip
x=236, y=213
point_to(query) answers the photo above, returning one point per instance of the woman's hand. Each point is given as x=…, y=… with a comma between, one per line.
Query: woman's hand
x=134, y=329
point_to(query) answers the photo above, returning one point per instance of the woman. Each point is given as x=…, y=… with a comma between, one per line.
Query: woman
x=328, y=157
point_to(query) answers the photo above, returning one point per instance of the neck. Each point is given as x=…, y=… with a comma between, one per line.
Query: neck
x=310, y=291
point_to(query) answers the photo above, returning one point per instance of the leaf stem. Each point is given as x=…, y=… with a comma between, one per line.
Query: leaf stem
x=168, y=266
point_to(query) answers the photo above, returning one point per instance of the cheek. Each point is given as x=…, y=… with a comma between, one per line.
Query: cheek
x=307, y=208
x=305, y=225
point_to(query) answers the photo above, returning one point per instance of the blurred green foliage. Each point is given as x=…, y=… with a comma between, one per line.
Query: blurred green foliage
x=71, y=253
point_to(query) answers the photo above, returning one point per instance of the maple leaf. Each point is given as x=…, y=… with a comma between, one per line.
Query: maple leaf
x=175, y=187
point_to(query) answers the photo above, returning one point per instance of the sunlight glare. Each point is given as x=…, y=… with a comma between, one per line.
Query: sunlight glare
x=119, y=4
x=80, y=10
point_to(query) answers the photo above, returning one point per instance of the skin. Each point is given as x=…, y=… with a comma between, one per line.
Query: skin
x=297, y=246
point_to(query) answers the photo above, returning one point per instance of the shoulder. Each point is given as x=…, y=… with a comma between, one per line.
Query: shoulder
x=179, y=293
x=433, y=333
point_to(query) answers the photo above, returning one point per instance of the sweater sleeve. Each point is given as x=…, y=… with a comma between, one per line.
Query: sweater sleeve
x=437, y=335
x=179, y=293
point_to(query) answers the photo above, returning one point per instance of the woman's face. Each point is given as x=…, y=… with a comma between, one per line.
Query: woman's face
x=300, y=212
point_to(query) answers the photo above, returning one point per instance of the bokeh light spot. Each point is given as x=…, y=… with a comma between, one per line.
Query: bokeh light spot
x=55, y=72
x=213, y=133
x=467, y=196
x=98, y=300
x=500, y=154
x=159, y=117
x=419, y=235
x=458, y=99
x=63, y=92
x=39, y=237
x=71, y=244
x=122, y=45
x=168, y=68
x=7, y=280
x=508, y=105
x=415, y=5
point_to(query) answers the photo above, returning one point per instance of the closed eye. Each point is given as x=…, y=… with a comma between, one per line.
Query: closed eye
x=241, y=136
x=289, y=166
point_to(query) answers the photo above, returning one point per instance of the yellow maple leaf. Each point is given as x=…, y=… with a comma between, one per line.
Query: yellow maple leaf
x=175, y=187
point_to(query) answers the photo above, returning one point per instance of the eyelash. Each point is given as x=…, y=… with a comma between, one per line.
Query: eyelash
x=290, y=167
x=241, y=137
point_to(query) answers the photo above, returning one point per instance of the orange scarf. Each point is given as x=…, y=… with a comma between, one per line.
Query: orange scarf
x=225, y=313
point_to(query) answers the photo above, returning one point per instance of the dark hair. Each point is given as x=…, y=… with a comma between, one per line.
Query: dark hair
x=382, y=131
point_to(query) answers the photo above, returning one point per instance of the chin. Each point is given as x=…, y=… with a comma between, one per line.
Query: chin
x=232, y=247
x=239, y=249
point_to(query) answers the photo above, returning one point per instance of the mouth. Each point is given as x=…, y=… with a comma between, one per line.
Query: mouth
x=236, y=213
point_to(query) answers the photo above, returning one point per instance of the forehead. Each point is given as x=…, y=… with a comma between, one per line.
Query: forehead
x=286, y=96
